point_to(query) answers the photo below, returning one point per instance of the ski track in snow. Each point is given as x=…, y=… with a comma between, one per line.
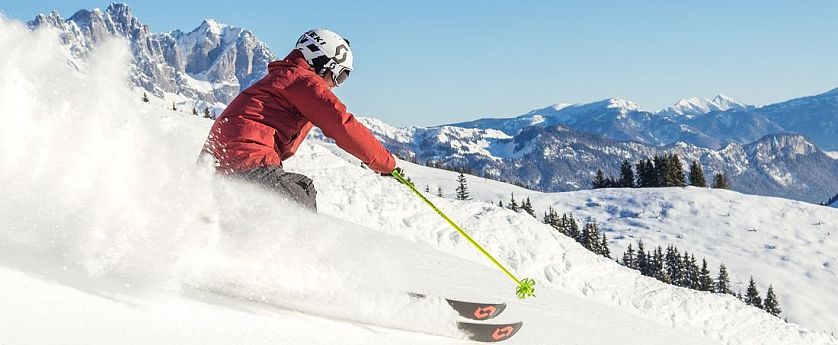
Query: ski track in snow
x=112, y=234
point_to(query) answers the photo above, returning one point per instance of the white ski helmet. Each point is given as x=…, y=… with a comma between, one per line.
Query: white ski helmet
x=327, y=51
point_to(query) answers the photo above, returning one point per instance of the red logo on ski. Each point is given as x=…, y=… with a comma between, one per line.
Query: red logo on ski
x=484, y=312
x=501, y=333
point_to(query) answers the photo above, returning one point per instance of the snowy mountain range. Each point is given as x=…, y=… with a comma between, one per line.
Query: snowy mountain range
x=556, y=158
x=708, y=123
x=211, y=63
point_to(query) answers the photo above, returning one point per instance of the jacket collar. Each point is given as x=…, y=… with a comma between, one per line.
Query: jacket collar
x=293, y=59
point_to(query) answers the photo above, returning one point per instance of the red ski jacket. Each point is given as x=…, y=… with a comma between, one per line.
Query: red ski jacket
x=267, y=122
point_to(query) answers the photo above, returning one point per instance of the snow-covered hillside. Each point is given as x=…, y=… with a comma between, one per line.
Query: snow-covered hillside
x=789, y=244
x=110, y=233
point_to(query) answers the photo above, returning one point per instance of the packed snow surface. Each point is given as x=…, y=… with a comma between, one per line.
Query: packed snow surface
x=111, y=233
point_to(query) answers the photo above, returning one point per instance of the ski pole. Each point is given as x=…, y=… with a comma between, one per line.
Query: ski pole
x=526, y=286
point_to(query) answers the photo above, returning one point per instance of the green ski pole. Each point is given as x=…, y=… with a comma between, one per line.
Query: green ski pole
x=526, y=286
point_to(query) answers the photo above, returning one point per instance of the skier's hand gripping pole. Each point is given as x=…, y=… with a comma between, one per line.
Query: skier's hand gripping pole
x=526, y=286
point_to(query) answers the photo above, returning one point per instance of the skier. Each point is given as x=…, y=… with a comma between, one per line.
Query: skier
x=267, y=122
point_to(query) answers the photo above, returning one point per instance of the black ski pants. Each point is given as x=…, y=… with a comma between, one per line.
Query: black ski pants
x=296, y=187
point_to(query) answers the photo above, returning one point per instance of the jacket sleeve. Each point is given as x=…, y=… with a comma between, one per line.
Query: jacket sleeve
x=319, y=105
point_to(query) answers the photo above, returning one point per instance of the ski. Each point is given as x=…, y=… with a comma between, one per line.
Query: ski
x=477, y=311
x=489, y=333
x=472, y=310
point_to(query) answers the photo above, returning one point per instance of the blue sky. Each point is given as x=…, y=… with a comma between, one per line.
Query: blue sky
x=434, y=62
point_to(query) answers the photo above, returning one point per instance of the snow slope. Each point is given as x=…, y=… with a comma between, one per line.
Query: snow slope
x=110, y=233
x=789, y=244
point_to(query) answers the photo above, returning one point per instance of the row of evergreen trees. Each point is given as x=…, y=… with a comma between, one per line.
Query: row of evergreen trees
x=525, y=205
x=660, y=171
x=588, y=236
x=207, y=113
x=683, y=270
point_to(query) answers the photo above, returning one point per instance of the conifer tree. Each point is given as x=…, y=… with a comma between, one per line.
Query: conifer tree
x=462, y=188
x=588, y=239
x=642, y=174
x=628, y=258
x=686, y=279
x=564, y=226
x=658, y=267
x=500, y=203
x=720, y=181
x=427, y=189
x=599, y=180
x=674, y=172
x=573, y=229
x=145, y=98
x=653, y=174
x=771, y=304
x=752, y=295
x=693, y=272
x=674, y=265
x=660, y=168
x=526, y=205
x=705, y=282
x=513, y=205
x=439, y=191
x=697, y=175
x=626, y=175
x=642, y=259
x=551, y=217
x=603, y=246
x=723, y=281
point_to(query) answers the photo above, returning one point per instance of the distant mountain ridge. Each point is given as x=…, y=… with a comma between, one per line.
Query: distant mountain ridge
x=708, y=123
x=699, y=106
x=557, y=158
x=212, y=63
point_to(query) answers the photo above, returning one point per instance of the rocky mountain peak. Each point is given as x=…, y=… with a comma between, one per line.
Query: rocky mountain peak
x=212, y=63
x=784, y=144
